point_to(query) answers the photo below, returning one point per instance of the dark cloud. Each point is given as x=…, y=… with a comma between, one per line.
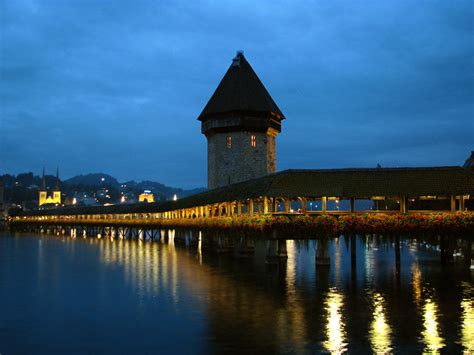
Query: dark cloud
x=117, y=86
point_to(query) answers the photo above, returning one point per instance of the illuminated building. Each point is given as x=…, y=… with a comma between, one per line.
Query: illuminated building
x=146, y=197
x=45, y=198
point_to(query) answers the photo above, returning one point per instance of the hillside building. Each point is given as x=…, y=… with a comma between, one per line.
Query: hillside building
x=45, y=197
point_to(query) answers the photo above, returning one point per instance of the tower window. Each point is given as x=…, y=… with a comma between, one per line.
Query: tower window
x=253, y=141
x=229, y=142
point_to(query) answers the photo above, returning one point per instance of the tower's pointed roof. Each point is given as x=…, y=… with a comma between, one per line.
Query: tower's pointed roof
x=240, y=90
x=469, y=163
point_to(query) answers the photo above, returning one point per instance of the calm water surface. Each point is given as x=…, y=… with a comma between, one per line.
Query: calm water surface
x=63, y=295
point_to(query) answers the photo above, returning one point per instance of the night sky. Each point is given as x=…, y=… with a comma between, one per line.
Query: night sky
x=117, y=86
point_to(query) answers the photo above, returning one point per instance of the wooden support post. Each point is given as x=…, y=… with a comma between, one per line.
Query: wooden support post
x=403, y=204
x=265, y=205
x=274, y=205
x=453, y=203
x=303, y=205
x=462, y=206
x=324, y=203
x=352, y=204
x=219, y=210
x=250, y=206
x=239, y=208
x=287, y=205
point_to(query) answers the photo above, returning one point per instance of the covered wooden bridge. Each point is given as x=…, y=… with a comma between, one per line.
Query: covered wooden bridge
x=399, y=190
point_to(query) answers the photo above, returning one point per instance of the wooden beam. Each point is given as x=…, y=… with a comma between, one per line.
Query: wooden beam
x=462, y=205
x=303, y=204
x=324, y=203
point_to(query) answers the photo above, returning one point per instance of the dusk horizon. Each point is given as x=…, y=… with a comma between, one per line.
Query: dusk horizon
x=358, y=87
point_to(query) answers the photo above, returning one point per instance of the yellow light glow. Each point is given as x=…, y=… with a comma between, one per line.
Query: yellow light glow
x=380, y=332
x=467, y=325
x=416, y=283
x=431, y=337
x=335, y=332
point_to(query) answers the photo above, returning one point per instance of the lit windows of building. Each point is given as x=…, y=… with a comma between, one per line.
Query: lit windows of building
x=229, y=142
x=253, y=141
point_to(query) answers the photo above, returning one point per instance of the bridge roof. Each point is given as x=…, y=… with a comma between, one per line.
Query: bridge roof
x=346, y=183
x=240, y=90
x=342, y=183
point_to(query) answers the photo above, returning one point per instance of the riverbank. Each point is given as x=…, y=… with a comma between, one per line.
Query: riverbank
x=426, y=223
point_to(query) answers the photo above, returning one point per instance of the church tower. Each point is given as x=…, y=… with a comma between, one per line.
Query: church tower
x=241, y=122
x=43, y=193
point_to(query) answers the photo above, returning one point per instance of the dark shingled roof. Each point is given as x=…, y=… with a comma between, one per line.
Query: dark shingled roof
x=240, y=90
x=343, y=183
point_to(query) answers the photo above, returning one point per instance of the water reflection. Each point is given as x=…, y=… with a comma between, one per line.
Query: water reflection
x=431, y=336
x=467, y=325
x=380, y=332
x=246, y=304
x=335, y=332
x=416, y=283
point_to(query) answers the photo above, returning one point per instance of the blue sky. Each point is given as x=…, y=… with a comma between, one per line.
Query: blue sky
x=117, y=86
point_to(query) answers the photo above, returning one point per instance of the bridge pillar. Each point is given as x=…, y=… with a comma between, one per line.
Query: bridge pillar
x=245, y=248
x=453, y=203
x=274, y=204
x=353, y=251
x=322, y=252
x=276, y=251
x=251, y=208
x=304, y=208
x=265, y=205
x=403, y=204
x=352, y=204
x=324, y=204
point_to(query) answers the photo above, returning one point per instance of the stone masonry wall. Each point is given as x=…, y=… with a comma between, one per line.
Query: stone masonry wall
x=242, y=161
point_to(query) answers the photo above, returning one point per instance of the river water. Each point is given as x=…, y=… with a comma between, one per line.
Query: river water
x=63, y=295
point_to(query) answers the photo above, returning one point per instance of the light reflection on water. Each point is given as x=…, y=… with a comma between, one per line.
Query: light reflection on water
x=335, y=328
x=467, y=325
x=380, y=331
x=431, y=335
x=249, y=305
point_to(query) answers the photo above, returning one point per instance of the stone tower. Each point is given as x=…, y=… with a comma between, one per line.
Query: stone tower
x=241, y=122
